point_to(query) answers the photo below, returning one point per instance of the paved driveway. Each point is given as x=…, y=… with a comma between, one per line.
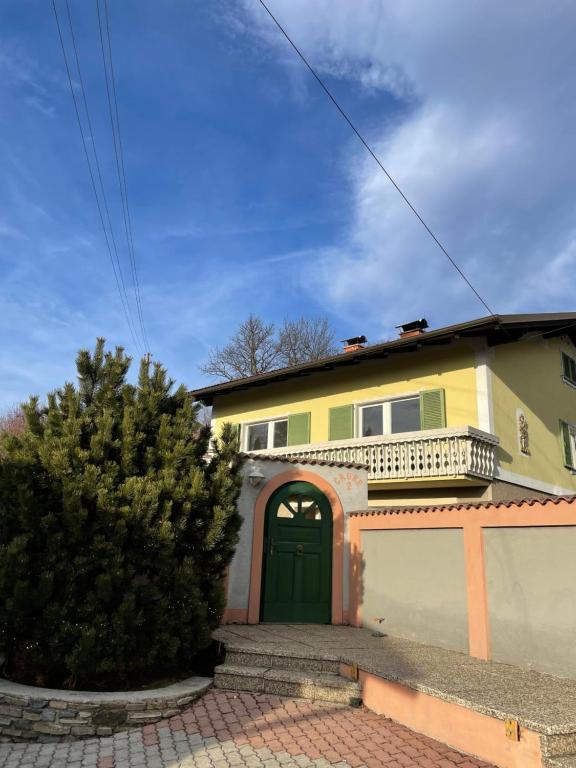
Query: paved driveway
x=227, y=728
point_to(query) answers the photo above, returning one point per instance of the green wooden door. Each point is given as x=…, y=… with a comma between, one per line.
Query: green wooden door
x=297, y=569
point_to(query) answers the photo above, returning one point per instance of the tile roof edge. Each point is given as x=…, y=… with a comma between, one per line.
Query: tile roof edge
x=287, y=459
x=424, y=508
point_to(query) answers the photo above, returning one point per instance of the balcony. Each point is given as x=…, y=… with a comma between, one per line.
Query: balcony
x=460, y=455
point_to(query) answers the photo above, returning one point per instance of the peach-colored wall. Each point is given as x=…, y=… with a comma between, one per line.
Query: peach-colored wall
x=235, y=616
x=452, y=724
x=472, y=520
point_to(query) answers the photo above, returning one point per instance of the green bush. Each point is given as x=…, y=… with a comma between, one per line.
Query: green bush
x=115, y=532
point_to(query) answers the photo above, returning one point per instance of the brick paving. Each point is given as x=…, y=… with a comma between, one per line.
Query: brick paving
x=228, y=729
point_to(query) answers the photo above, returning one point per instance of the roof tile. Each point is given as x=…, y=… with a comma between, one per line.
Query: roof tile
x=462, y=505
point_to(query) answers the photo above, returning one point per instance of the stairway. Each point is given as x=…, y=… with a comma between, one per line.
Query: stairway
x=286, y=673
x=561, y=761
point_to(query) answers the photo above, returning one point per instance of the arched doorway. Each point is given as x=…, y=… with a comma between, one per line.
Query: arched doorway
x=297, y=572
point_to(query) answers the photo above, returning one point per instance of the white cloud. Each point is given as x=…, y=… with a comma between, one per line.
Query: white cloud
x=483, y=149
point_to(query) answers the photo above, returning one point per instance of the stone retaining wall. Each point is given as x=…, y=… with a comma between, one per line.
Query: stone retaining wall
x=42, y=714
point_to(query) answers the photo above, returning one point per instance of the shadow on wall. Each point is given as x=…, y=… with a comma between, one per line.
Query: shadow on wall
x=371, y=647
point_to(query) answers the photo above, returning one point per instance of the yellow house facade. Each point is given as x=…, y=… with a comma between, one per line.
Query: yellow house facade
x=483, y=410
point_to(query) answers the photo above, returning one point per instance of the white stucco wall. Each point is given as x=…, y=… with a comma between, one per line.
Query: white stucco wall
x=351, y=487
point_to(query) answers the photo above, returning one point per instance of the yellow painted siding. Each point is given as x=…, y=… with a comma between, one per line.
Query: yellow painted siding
x=449, y=368
x=528, y=376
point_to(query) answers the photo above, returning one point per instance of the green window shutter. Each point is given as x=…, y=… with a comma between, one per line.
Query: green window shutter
x=298, y=428
x=432, y=409
x=566, y=445
x=341, y=421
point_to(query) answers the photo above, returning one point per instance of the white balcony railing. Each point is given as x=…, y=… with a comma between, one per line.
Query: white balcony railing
x=437, y=453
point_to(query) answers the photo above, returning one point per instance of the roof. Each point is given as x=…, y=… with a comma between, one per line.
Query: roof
x=497, y=329
x=372, y=511
x=303, y=460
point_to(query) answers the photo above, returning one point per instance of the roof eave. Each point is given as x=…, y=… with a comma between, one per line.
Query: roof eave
x=521, y=324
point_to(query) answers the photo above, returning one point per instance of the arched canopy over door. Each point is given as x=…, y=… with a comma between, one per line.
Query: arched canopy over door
x=297, y=570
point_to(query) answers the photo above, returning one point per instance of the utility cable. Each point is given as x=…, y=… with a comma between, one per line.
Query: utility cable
x=115, y=127
x=117, y=275
x=97, y=161
x=374, y=156
x=132, y=252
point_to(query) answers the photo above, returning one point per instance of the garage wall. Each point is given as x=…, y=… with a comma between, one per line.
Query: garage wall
x=415, y=580
x=531, y=583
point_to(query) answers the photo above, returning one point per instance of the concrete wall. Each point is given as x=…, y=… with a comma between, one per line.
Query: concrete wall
x=415, y=580
x=531, y=577
x=349, y=484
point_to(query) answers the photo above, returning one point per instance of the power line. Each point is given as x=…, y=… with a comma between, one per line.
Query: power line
x=373, y=154
x=118, y=154
x=133, y=255
x=98, y=169
x=117, y=273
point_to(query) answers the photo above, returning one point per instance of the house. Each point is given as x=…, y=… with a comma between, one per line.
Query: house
x=482, y=410
x=378, y=486
x=423, y=488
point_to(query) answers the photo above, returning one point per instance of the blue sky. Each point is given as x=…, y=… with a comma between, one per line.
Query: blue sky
x=249, y=193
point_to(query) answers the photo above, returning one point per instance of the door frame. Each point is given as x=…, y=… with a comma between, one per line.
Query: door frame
x=311, y=491
x=260, y=507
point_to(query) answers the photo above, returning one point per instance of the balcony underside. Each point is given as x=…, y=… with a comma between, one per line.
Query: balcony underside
x=445, y=481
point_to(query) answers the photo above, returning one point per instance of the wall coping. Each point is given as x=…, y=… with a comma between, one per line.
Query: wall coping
x=32, y=714
x=183, y=688
x=417, y=509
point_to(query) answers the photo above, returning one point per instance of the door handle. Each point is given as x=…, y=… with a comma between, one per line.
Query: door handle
x=299, y=549
x=271, y=551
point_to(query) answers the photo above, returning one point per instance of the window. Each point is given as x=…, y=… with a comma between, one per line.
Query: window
x=568, y=435
x=569, y=368
x=390, y=417
x=405, y=415
x=301, y=506
x=266, y=434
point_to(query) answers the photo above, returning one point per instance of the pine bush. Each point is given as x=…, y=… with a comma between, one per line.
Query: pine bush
x=115, y=532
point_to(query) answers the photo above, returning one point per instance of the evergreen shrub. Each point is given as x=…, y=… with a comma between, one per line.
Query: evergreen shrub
x=115, y=532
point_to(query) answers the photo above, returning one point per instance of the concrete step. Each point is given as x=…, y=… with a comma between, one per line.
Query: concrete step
x=566, y=761
x=238, y=656
x=320, y=686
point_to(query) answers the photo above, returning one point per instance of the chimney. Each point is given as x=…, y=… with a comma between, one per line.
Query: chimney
x=355, y=343
x=415, y=328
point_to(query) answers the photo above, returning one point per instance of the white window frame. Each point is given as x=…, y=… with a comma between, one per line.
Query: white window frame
x=387, y=412
x=270, y=439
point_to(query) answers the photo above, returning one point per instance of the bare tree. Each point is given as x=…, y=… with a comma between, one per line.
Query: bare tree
x=257, y=347
x=306, y=339
x=252, y=350
x=12, y=421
